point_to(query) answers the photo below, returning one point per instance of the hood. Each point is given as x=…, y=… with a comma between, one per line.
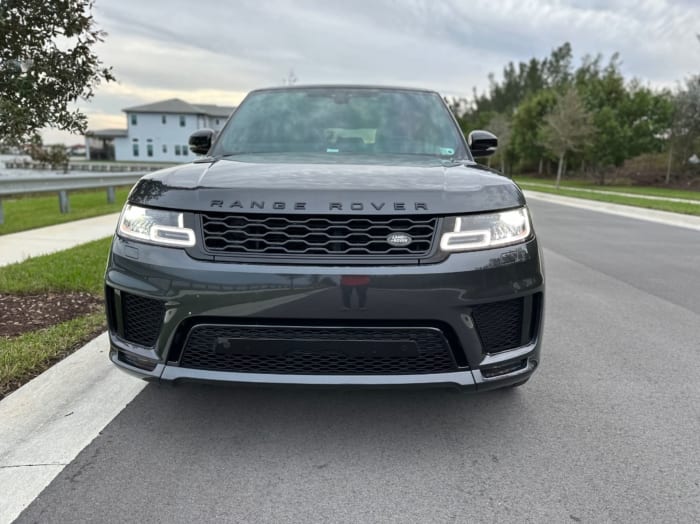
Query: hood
x=315, y=184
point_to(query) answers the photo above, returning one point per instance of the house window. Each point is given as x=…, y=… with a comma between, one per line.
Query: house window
x=164, y=119
x=177, y=150
x=184, y=150
x=217, y=121
x=136, y=147
x=182, y=120
x=165, y=148
x=134, y=119
x=149, y=149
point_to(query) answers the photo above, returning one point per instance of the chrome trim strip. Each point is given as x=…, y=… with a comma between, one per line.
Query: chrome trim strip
x=133, y=370
x=461, y=378
x=480, y=379
x=511, y=354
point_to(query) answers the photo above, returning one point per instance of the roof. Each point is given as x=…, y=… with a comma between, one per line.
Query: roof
x=176, y=105
x=107, y=133
x=212, y=110
x=345, y=86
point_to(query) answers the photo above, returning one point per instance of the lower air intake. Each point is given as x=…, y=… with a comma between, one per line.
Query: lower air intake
x=318, y=350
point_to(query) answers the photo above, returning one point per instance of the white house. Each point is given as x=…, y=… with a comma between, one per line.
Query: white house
x=156, y=132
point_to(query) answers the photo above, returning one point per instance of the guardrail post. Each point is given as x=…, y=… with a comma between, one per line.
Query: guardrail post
x=63, y=202
x=2, y=214
x=18, y=185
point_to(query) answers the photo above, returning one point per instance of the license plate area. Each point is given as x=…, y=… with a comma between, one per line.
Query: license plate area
x=282, y=347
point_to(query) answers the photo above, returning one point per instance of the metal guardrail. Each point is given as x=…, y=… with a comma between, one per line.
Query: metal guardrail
x=61, y=184
x=87, y=166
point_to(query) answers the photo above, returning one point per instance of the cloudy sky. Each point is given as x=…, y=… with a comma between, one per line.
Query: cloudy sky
x=214, y=51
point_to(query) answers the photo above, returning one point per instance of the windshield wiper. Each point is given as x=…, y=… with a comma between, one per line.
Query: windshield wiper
x=226, y=155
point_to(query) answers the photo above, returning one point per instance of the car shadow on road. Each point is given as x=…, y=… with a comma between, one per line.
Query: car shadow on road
x=298, y=414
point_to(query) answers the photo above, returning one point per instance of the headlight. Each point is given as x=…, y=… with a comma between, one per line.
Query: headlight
x=157, y=226
x=473, y=232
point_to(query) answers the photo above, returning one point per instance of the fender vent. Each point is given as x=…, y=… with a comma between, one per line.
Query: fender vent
x=142, y=319
x=500, y=325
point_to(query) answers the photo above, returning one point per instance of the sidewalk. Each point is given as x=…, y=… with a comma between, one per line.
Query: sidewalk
x=16, y=247
x=640, y=213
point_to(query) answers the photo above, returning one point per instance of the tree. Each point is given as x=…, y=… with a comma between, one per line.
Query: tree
x=527, y=124
x=502, y=128
x=629, y=119
x=649, y=115
x=685, y=123
x=47, y=62
x=557, y=68
x=567, y=128
x=525, y=79
x=55, y=155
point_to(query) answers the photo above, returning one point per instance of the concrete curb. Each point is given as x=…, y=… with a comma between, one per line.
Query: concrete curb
x=640, y=213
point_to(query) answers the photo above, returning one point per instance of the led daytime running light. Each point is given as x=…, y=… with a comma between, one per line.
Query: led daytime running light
x=155, y=226
x=485, y=231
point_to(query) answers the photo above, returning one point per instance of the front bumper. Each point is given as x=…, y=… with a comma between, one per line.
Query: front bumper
x=443, y=296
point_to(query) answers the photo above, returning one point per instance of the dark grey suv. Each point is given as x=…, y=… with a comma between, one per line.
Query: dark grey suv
x=335, y=235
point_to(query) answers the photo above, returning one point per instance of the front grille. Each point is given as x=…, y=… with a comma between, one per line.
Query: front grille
x=500, y=324
x=142, y=319
x=319, y=236
x=433, y=355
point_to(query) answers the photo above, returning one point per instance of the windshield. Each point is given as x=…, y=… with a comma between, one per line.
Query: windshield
x=334, y=121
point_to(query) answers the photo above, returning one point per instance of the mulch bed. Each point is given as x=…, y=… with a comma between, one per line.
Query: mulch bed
x=22, y=313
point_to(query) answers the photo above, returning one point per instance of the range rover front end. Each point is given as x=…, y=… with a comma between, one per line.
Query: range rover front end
x=333, y=248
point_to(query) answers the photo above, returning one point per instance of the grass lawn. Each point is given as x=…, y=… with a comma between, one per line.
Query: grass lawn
x=651, y=191
x=26, y=356
x=77, y=269
x=38, y=211
x=568, y=188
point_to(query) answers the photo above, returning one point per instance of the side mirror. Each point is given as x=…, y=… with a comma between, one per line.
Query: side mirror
x=482, y=143
x=200, y=141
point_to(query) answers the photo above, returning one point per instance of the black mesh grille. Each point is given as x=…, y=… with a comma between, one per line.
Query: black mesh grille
x=434, y=355
x=324, y=236
x=142, y=319
x=500, y=324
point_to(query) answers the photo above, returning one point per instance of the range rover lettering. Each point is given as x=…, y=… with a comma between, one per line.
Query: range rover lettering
x=329, y=235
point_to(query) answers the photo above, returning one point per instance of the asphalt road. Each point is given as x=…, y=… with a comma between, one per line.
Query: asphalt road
x=608, y=429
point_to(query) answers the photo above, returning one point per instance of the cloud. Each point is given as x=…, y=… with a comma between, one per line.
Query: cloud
x=215, y=51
